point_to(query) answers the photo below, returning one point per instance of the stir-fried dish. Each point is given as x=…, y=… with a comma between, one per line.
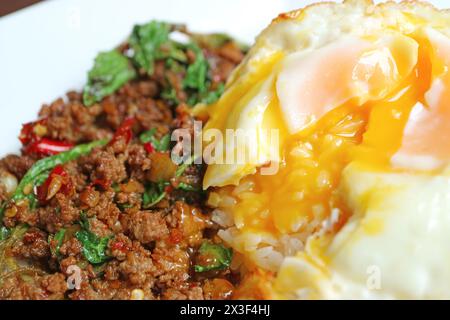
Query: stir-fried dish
x=94, y=207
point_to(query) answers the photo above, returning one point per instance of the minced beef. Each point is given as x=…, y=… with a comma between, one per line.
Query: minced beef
x=146, y=249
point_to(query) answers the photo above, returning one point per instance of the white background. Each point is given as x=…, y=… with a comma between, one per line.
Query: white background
x=46, y=49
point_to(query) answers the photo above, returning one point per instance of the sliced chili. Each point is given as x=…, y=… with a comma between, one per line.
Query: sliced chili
x=103, y=184
x=28, y=134
x=64, y=185
x=47, y=147
x=149, y=147
x=124, y=131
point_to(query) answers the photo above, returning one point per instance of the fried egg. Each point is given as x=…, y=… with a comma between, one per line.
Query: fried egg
x=359, y=96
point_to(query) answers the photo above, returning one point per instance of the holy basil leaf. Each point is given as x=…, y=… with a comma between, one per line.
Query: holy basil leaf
x=187, y=187
x=4, y=233
x=197, y=72
x=147, y=136
x=174, y=51
x=159, y=145
x=196, y=82
x=170, y=95
x=175, y=66
x=123, y=206
x=146, y=41
x=154, y=193
x=213, y=257
x=58, y=239
x=110, y=72
x=184, y=165
x=164, y=143
x=94, y=248
x=212, y=96
x=84, y=221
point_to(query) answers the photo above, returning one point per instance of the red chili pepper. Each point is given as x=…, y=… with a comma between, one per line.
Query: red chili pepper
x=124, y=131
x=168, y=189
x=59, y=170
x=119, y=245
x=176, y=236
x=101, y=183
x=36, y=144
x=47, y=147
x=66, y=184
x=27, y=133
x=149, y=147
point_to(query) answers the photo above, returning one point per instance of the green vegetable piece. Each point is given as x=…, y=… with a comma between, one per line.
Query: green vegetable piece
x=59, y=238
x=196, y=81
x=174, y=65
x=94, y=248
x=115, y=187
x=164, y=143
x=197, y=72
x=110, y=72
x=159, y=145
x=187, y=187
x=13, y=235
x=123, y=206
x=213, y=257
x=170, y=95
x=147, y=136
x=154, y=193
x=172, y=52
x=84, y=221
x=4, y=233
x=146, y=41
x=182, y=167
x=213, y=96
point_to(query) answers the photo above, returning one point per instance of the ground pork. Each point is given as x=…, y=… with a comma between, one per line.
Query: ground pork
x=147, y=226
x=33, y=245
x=17, y=165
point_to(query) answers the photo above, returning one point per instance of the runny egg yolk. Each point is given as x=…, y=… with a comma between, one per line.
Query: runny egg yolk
x=364, y=122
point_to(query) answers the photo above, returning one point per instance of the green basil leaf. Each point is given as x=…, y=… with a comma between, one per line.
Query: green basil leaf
x=84, y=221
x=212, y=96
x=170, y=95
x=111, y=71
x=183, y=166
x=94, y=248
x=4, y=233
x=197, y=72
x=197, y=83
x=59, y=238
x=164, y=143
x=187, y=187
x=154, y=193
x=159, y=145
x=147, y=136
x=146, y=41
x=214, y=256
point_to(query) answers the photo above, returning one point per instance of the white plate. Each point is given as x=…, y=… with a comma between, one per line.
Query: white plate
x=46, y=49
